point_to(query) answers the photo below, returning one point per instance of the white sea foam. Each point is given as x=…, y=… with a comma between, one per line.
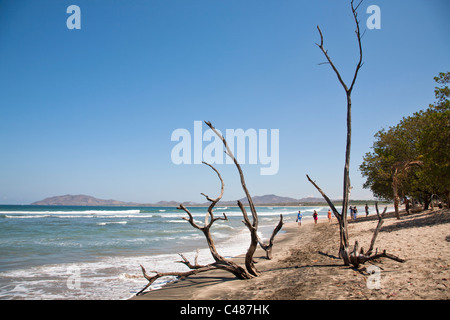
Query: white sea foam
x=116, y=277
x=83, y=212
x=111, y=222
x=25, y=217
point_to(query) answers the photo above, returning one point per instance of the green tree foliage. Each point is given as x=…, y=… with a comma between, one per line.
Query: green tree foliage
x=424, y=137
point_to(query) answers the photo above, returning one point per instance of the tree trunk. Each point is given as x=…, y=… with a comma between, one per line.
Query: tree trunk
x=342, y=217
x=397, y=168
x=249, y=264
x=347, y=161
x=395, y=192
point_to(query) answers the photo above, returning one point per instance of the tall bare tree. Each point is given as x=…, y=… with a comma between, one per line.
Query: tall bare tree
x=356, y=256
x=342, y=217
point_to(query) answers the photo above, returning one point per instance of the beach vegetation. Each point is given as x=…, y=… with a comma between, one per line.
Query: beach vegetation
x=412, y=158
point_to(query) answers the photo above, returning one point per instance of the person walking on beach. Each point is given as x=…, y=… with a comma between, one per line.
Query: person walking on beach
x=329, y=215
x=315, y=216
x=355, y=212
x=406, y=201
x=367, y=210
x=299, y=218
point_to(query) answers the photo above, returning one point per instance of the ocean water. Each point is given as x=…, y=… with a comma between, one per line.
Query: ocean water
x=52, y=252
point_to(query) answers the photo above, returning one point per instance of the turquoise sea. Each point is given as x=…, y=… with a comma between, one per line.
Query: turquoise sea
x=68, y=252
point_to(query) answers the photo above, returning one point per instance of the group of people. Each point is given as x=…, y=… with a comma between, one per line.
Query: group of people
x=315, y=216
x=353, y=215
x=353, y=212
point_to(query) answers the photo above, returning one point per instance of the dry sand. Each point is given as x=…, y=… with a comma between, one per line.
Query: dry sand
x=305, y=265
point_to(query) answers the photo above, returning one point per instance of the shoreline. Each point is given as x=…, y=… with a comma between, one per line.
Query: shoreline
x=108, y=246
x=305, y=267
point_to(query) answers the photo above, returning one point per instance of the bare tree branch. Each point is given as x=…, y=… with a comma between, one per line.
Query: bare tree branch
x=358, y=36
x=325, y=52
x=333, y=208
x=191, y=218
x=152, y=279
x=342, y=220
x=241, y=174
x=362, y=257
x=213, y=201
x=377, y=229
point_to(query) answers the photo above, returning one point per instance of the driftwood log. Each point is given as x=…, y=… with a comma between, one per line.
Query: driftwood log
x=252, y=226
x=222, y=263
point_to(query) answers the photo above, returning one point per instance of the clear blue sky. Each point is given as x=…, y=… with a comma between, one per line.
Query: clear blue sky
x=91, y=111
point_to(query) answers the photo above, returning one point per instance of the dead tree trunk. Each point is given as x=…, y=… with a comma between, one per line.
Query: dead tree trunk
x=348, y=93
x=342, y=217
x=252, y=226
x=355, y=258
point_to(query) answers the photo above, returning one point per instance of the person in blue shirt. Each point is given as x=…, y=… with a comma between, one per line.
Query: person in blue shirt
x=299, y=218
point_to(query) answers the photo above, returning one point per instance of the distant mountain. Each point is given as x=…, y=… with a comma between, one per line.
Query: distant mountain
x=79, y=200
x=313, y=200
x=269, y=198
x=84, y=200
x=274, y=199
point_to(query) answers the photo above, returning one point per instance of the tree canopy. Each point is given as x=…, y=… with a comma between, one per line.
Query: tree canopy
x=422, y=139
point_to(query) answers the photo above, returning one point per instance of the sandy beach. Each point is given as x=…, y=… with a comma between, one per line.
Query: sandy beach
x=305, y=266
